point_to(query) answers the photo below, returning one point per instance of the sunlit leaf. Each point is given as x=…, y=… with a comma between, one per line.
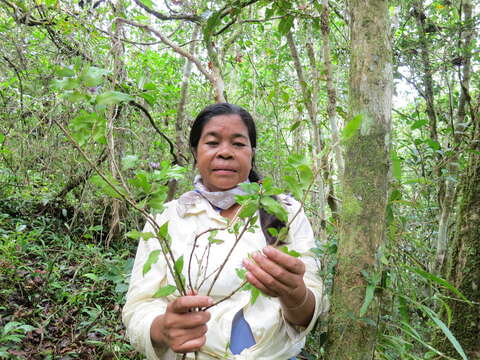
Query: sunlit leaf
x=287, y=251
x=130, y=161
x=418, y=124
x=351, y=127
x=248, y=209
x=152, y=259
x=112, y=97
x=285, y=24
x=179, y=265
x=437, y=280
x=396, y=166
x=275, y=208
x=164, y=291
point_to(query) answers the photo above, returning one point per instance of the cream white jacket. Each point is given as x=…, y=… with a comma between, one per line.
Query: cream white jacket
x=191, y=214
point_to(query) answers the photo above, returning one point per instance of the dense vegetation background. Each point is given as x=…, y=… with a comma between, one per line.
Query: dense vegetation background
x=112, y=86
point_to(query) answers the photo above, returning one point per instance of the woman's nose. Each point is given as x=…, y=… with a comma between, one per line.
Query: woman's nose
x=225, y=151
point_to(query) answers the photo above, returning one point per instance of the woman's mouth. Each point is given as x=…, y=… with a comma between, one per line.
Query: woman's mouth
x=224, y=171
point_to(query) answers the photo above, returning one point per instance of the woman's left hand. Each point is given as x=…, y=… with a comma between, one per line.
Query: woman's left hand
x=278, y=275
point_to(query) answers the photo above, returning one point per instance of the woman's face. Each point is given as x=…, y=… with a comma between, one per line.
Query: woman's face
x=224, y=153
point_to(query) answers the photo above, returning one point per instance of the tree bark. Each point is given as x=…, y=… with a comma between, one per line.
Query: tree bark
x=464, y=260
x=332, y=95
x=450, y=188
x=180, y=119
x=310, y=101
x=353, y=335
x=464, y=269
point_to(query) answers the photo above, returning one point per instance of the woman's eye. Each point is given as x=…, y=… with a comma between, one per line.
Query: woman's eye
x=211, y=143
x=239, y=144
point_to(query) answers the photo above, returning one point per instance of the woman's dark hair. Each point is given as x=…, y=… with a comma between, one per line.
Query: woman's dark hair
x=266, y=220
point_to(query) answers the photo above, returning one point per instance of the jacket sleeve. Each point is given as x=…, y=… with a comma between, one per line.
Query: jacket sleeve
x=301, y=239
x=141, y=308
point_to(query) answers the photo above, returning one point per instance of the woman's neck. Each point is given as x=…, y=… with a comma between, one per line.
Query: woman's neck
x=230, y=212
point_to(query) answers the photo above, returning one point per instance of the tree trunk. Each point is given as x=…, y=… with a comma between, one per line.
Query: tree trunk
x=464, y=269
x=114, y=114
x=310, y=101
x=449, y=198
x=332, y=95
x=464, y=261
x=352, y=335
x=182, y=148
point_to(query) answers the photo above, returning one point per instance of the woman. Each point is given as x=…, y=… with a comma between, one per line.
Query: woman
x=223, y=141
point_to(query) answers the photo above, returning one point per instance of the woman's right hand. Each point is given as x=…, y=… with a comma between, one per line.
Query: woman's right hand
x=182, y=327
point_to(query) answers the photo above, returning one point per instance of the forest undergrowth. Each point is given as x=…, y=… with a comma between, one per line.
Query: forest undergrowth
x=61, y=290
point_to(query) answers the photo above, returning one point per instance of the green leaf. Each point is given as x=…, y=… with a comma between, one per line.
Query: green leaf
x=2, y=138
x=157, y=200
x=152, y=259
x=165, y=291
x=163, y=230
x=65, y=72
x=352, y=126
x=370, y=291
x=254, y=292
x=136, y=235
x=275, y=208
x=73, y=96
x=285, y=24
x=306, y=174
x=438, y=280
x=446, y=331
x=112, y=97
x=148, y=3
x=293, y=186
x=418, y=124
x=293, y=253
x=295, y=125
x=66, y=83
x=241, y=273
x=179, y=265
x=91, y=276
x=396, y=166
x=130, y=161
x=92, y=76
x=403, y=309
x=149, y=98
x=433, y=144
x=107, y=188
x=248, y=209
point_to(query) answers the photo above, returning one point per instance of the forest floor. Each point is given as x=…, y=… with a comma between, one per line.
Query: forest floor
x=61, y=290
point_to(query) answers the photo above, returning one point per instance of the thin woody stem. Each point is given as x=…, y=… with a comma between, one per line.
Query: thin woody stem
x=174, y=47
x=226, y=297
x=193, y=250
x=195, y=243
x=237, y=240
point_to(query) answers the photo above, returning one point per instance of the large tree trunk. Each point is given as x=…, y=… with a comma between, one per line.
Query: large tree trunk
x=353, y=335
x=464, y=260
x=464, y=269
x=449, y=198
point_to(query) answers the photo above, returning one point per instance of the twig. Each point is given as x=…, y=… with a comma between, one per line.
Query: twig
x=150, y=119
x=193, y=250
x=158, y=15
x=227, y=297
x=174, y=47
x=237, y=240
